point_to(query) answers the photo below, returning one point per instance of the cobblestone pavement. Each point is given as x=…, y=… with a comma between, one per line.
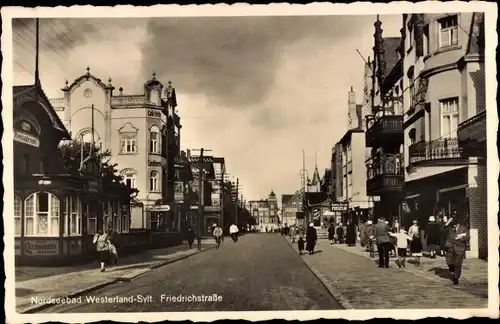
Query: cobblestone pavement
x=365, y=286
x=258, y=273
x=83, y=278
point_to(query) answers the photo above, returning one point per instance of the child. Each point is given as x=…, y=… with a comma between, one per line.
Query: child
x=301, y=244
x=402, y=244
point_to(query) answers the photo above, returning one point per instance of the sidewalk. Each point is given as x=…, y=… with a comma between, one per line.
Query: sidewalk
x=56, y=282
x=356, y=281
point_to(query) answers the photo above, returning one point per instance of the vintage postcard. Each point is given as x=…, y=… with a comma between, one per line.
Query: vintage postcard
x=250, y=162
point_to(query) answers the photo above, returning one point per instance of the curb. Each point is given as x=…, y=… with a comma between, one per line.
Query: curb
x=37, y=308
x=344, y=303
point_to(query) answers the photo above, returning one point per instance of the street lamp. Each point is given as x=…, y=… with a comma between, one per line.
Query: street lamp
x=304, y=174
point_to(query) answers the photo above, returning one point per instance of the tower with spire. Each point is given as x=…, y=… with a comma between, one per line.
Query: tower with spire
x=315, y=184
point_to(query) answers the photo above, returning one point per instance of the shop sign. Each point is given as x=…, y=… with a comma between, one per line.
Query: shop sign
x=154, y=164
x=41, y=247
x=26, y=138
x=17, y=247
x=159, y=208
x=75, y=247
x=338, y=207
x=154, y=113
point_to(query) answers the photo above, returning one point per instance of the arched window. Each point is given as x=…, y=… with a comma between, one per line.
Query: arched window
x=18, y=213
x=130, y=178
x=154, y=181
x=154, y=140
x=41, y=215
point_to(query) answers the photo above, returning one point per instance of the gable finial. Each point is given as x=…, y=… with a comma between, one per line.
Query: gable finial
x=88, y=69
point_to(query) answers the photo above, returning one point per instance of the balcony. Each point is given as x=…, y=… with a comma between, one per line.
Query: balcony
x=442, y=151
x=472, y=136
x=387, y=130
x=385, y=174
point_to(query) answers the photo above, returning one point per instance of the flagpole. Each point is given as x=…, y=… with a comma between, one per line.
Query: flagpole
x=37, y=50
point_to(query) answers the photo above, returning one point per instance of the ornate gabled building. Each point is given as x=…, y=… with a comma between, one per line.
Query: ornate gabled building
x=384, y=134
x=265, y=211
x=142, y=132
x=444, y=123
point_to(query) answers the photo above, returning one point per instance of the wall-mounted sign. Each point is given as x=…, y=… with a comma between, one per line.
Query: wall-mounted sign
x=75, y=247
x=338, y=207
x=154, y=113
x=159, y=208
x=154, y=163
x=25, y=126
x=26, y=138
x=41, y=247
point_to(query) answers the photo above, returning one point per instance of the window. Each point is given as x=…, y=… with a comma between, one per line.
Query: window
x=125, y=220
x=92, y=212
x=106, y=210
x=73, y=216
x=18, y=205
x=130, y=178
x=42, y=167
x=116, y=216
x=448, y=31
x=42, y=211
x=449, y=118
x=25, y=164
x=154, y=138
x=128, y=143
x=153, y=181
x=427, y=44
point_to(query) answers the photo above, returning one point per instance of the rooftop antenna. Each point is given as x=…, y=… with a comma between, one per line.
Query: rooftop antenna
x=37, y=50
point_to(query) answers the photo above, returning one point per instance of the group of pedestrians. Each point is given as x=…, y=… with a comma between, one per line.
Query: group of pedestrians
x=105, y=241
x=341, y=233
x=309, y=242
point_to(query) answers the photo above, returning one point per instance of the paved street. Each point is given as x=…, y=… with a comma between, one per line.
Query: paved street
x=259, y=272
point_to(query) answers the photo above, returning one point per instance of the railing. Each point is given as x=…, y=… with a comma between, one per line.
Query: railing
x=441, y=149
x=385, y=164
x=128, y=100
x=59, y=102
x=385, y=123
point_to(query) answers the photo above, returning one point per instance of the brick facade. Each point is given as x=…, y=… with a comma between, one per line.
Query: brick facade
x=478, y=207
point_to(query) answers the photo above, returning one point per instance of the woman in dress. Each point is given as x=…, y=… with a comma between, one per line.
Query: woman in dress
x=432, y=235
x=103, y=247
x=416, y=243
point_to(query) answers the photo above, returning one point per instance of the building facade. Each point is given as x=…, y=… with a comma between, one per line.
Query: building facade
x=444, y=121
x=384, y=134
x=142, y=132
x=265, y=211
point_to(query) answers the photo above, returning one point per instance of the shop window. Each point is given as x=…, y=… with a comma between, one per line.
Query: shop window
x=42, y=213
x=128, y=143
x=154, y=138
x=449, y=118
x=73, y=216
x=18, y=205
x=154, y=181
x=448, y=31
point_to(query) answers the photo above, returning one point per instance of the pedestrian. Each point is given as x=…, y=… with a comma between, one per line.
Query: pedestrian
x=402, y=245
x=190, y=237
x=340, y=233
x=331, y=233
x=370, y=234
x=311, y=238
x=233, y=231
x=101, y=239
x=300, y=244
x=113, y=239
x=351, y=233
x=217, y=233
x=383, y=242
x=432, y=236
x=443, y=235
x=416, y=243
x=456, y=246
x=293, y=232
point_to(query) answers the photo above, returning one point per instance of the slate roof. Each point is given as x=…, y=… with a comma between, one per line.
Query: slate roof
x=286, y=198
x=391, y=45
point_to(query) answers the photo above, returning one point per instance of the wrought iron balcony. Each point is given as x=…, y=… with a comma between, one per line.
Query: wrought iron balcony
x=472, y=135
x=385, y=130
x=442, y=150
x=385, y=174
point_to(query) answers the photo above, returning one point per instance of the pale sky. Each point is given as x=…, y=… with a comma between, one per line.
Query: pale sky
x=255, y=90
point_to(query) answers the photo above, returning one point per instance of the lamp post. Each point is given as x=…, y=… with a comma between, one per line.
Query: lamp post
x=304, y=174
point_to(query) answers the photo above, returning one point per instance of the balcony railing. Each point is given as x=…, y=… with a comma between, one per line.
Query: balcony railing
x=385, y=173
x=472, y=135
x=442, y=149
x=384, y=130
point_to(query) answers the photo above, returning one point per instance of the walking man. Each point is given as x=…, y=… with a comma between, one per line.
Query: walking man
x=383, y=242
x=458, y=236
x=233, y=231
x=217, y=233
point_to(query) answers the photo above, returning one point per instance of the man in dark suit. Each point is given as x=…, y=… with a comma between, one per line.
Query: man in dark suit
x=456, y=245
x=383, y=242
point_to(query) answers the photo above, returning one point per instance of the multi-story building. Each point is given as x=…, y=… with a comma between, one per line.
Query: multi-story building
x=445, y=115
x=265, y=211
x=289, y=205
x=350, y=153
x=384, y=134
x=142, y=132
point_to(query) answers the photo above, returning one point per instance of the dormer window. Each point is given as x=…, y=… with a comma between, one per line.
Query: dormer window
x=155, y=97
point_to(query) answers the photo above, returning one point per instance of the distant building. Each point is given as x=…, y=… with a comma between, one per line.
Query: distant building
x=289, y=208
x=265, y=211
x=445, y=121
x=142, y=132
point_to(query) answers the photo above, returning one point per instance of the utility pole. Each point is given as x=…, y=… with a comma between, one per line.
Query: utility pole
x=222, y=196
x=201, y=201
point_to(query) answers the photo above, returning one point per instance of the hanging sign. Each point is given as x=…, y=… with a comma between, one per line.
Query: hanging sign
x=26, y=138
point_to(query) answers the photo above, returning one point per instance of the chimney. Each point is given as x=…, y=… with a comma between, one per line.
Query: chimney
x=351, y=113
x=121, y=91
x=188, y=152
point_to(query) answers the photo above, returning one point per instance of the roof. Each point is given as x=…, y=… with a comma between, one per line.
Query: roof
x=316, y=178
x=348, y=134
x=391, y=45
x=285, y=199
x=314, y=198
x=272, y=194
x=87, y=76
